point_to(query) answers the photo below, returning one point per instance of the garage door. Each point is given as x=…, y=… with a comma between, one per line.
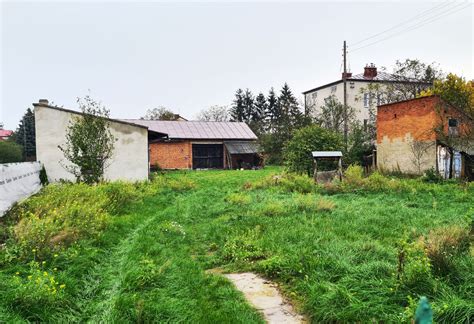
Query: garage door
x=208, y=156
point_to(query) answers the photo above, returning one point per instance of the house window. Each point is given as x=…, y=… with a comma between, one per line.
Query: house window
x=333, y=89
x=453, y=127
x=366, y=100
x=379, y=99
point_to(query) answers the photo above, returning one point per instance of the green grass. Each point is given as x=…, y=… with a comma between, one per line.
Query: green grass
x=335, y=256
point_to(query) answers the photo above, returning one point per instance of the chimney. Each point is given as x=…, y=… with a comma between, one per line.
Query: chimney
x=370, y=71
x=348, y=75
x=43, y=102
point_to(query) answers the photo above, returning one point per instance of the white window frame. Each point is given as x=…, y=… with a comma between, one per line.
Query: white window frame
x=366, y=100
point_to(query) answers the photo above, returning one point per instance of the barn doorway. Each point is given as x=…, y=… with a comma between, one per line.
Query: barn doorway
x=208, y=156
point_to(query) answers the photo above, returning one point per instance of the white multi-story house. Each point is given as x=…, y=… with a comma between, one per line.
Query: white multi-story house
x=360, y=96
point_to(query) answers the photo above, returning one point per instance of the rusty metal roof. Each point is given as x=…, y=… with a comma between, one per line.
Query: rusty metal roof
x=198, y=129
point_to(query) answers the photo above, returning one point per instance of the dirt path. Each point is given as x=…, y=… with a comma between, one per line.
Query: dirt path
x=265, y=297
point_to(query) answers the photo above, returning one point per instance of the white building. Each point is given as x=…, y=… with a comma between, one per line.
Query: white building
x=130, y=160
x=358, y=96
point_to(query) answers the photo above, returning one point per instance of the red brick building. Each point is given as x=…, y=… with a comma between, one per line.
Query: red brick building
x=423, y=133
x=202, y=145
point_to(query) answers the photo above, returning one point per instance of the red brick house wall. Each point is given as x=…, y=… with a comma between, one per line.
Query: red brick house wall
x=400, y=124
x=415, y=117
x=177, y=155
x=171, y=155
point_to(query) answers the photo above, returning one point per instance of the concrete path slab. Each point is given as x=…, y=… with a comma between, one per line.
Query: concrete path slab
x=265, y=297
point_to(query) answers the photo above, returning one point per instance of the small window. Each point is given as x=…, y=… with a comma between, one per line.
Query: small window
x=453, y=127
x=366, y=100
x=379, y=99
x=334, y=88
x=453, y=122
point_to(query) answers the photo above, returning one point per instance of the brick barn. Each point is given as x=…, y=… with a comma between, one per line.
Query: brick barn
x=419, y=134
x=202, y=145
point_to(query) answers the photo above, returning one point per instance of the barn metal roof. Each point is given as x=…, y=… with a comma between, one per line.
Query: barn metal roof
x=198, y=129
x=239, y=147
x=327, y=153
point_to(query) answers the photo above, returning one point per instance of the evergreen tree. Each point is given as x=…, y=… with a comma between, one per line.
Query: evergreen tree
x=25, y=135
x=291, y=116
x=257, y=122
x=272, y=112
x=248, y=101
x=237, y=111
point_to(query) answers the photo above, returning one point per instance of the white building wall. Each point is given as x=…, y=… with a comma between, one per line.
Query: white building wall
x=130, y=157
x=355, y=98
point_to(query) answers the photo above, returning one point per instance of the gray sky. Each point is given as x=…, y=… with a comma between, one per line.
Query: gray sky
x=189, y=56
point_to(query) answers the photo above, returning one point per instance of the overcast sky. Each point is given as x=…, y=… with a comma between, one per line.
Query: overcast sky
x=189, y=56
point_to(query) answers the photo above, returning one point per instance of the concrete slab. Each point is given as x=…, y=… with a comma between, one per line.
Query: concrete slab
x=265, y=297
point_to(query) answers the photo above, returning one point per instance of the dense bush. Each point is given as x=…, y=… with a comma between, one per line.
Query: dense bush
x=10, y=152
x=297, y=152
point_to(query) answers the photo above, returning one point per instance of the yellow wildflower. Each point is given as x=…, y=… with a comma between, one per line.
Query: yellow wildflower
x=62, y=286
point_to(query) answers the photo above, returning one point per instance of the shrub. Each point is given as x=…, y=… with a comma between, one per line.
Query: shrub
x=354, y=175
x=432, y=176
x=43, y=176
x=10, y=152
x=442, y=245
x=297, y=151
x=414, y=267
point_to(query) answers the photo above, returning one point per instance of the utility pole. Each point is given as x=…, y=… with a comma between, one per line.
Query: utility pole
x=344, y=79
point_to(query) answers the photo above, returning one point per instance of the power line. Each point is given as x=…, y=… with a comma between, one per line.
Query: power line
x=421, y=14
x=417, y=25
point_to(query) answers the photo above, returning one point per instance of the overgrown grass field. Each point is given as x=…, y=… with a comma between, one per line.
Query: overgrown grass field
x=362, y=251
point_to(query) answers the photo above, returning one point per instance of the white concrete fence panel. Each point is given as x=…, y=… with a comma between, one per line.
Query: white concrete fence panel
x=18, y=181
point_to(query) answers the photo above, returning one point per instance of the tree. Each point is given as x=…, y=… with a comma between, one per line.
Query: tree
x=237, y=111
x=257, y=118
x=214, y=113
x=10, y=152
x=25, y=135
x=360, y=145
x=272, y=112
x=411, y=77
x=332, y=115
x=89, y=142
x=454, y=90
x=160, y=113
x=419, y=150
x=248, y=102
x=297, y=151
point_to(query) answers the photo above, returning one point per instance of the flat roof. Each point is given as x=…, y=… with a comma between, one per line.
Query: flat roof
x=326, y=153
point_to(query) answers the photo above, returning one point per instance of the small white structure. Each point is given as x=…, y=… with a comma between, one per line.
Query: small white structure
x=130, y=156
x=18, y=181
x=327, y=176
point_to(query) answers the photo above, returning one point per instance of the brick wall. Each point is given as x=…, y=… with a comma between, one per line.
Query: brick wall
x=171, y=155
x=401, y=124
